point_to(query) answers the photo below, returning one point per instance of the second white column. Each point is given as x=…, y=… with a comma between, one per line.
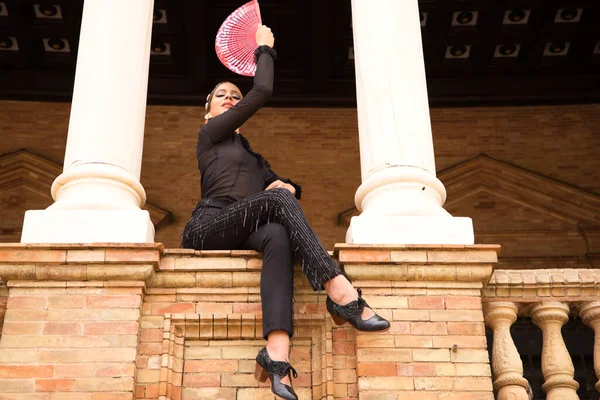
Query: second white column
x=400, y=197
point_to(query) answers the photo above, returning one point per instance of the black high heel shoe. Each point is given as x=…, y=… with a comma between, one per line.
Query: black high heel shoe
x=352, y=313
x=275, y=371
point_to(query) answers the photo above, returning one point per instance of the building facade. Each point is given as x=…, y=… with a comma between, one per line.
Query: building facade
x=98, y=301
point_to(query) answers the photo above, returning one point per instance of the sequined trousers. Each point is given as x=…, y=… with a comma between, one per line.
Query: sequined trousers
x=273, y=223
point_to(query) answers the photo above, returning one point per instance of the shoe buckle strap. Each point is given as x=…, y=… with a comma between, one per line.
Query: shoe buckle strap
x=361, y=302
x=292, y=372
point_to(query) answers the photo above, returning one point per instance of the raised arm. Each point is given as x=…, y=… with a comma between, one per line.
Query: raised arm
x=222, y=126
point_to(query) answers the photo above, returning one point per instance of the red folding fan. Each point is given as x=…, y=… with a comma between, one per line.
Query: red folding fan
x=236, y=39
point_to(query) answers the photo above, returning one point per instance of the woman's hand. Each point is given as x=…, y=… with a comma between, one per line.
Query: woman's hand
x=264, y=36
x=279, y=184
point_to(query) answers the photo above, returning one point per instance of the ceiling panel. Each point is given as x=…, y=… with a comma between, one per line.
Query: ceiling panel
x=476, y=52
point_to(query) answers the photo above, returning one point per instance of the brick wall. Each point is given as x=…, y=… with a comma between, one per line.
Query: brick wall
x=212, y=356
x=227, y=367
x=210, y=325
x=201, y=323
x=344, y=363
x=189, y=325
x=319, y=148
x=70, y=342
x=436, y=345
x=211, y=332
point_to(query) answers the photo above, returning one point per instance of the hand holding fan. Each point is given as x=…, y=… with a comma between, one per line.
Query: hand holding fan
x=236, y=39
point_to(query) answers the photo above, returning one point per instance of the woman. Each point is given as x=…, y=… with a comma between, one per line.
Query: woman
x=245, y=205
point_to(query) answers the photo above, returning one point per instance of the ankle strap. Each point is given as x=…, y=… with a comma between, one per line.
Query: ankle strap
x=362, y=303
x=291, y=372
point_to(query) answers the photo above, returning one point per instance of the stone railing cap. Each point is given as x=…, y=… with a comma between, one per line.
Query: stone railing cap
x=366, y=247
x=80, y=246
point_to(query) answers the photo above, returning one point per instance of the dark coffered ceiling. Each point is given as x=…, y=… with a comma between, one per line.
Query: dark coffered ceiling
x=476, y=52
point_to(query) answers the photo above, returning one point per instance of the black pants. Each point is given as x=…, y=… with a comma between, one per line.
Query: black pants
x=273, y=223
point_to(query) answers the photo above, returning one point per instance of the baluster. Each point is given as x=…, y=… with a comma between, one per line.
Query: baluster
x=557, y=366
x=506, y=362
x=590, y=314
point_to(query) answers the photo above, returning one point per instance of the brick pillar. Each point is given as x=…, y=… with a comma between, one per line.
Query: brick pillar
x=80, y=340
x=436, y=347
x=72, y=323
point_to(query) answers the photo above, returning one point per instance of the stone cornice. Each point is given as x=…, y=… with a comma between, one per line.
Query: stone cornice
x=78, y=262
x=413, y=247
x=182, y=268
x=83, y=246
x=420, y=273
x=428, y=263
x=543, y=285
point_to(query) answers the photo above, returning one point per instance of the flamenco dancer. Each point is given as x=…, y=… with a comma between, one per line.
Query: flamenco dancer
x=245, y=205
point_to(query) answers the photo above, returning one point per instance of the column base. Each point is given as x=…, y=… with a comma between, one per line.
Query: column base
x=87, y=226
x=410, y=230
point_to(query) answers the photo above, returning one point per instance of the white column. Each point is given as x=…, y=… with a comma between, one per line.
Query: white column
x=400, y=197
x=98, y=196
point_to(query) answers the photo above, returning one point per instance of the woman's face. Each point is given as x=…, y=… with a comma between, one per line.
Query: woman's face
x=226, y=96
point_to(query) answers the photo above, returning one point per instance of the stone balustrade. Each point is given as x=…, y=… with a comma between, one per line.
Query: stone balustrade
x=548, y=297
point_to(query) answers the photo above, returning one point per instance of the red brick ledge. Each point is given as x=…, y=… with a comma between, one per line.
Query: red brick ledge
x=79, y=246
x=158, y=267
x=79, y=262
x=422, y=263
x=417, y=253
